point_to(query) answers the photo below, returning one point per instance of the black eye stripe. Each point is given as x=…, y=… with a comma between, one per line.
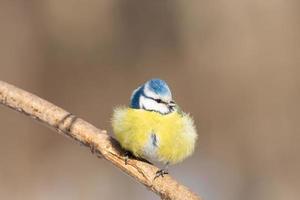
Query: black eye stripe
x=157, y=100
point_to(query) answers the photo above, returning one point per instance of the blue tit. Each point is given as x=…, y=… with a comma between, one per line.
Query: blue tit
x=153, y=127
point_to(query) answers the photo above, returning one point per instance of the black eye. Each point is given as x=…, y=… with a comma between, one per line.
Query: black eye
x=158, y=100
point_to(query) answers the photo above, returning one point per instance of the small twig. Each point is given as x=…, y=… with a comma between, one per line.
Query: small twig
x=100, y=143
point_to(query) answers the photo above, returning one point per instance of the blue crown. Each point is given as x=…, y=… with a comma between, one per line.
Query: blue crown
x=159, y=87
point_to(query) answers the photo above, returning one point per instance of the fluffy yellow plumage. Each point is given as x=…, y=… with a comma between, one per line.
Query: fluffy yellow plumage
x=167, y=138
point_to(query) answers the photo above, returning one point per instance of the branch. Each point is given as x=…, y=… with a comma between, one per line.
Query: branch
x=100, y=143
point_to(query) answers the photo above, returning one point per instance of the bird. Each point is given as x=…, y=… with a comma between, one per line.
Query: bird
x=153, y=127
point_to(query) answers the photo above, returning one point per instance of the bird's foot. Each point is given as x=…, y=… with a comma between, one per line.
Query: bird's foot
x=161, y=173
x=127, y=154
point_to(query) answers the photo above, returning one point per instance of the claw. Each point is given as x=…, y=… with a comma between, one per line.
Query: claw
x=161, y=173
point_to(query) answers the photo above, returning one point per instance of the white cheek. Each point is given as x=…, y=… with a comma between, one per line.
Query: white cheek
x=150, y=104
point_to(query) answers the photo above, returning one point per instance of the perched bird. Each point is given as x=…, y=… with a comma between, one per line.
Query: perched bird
x=153, y=127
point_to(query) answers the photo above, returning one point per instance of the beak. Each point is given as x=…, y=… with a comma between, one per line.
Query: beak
x=171, y=105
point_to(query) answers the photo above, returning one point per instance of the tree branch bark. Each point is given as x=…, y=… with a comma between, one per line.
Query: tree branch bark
x=100, y=143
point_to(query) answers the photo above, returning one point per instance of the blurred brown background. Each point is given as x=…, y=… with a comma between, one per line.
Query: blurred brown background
x=234, y=65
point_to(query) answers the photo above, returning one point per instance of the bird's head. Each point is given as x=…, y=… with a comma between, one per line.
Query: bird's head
x=154, y=95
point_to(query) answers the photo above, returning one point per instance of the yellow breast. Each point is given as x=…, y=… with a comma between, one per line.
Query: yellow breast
x=150, y=135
